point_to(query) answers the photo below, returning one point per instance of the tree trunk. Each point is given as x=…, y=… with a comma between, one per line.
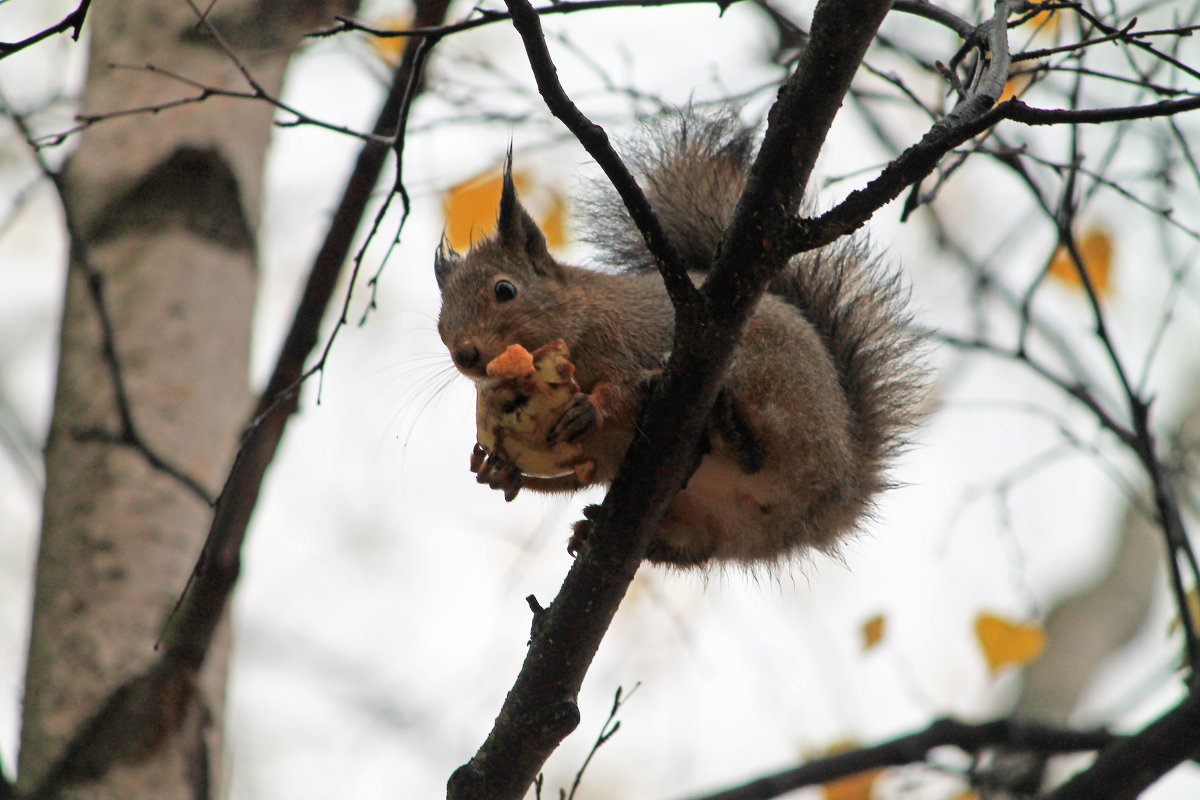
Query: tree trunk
x=152, y=390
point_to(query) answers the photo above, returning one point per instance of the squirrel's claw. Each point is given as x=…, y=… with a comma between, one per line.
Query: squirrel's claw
x=580, y=418
x=581, y=530
x=497, y=472
x=478, y=456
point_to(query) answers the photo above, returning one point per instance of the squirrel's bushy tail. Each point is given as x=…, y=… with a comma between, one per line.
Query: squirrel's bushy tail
x=693, y=170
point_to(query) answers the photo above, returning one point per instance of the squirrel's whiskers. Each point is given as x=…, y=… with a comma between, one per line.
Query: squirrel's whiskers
x=408, y=389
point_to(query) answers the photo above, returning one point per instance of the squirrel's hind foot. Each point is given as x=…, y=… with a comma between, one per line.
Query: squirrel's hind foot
x=581, y=530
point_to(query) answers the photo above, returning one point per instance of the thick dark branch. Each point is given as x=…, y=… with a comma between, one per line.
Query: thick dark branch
x=942, y=16
x=595, y=141
x=1124, y=770
x=541, y=709
x=973, y=115
x=914, y=748
x=72, y=22
x=919, y=160
x=1018, y=111
x=794, y=136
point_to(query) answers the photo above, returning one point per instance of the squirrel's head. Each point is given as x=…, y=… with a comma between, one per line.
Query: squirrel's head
x=503, y=291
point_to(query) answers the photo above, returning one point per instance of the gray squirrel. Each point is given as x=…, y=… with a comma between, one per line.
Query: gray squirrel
x=821, y=394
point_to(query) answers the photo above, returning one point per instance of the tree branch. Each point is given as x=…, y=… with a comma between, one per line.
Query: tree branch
x=488, y=17
x=71, y=22
x=541, y=709
x=595, y=141
x=919, y=160
x=914, y=748
x=942, y=16
x=973, y=115
x=1124, y=770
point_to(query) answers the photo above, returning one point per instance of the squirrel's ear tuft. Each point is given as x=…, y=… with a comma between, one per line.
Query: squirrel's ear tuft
x=515, y=229
x=445, y=261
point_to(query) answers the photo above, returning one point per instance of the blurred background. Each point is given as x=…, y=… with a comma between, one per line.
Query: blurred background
x=380, y=617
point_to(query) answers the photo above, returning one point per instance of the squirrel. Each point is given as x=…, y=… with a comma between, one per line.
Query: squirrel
x=820, y=396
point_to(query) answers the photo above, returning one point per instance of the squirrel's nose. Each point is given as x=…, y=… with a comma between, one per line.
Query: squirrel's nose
x=466, y=356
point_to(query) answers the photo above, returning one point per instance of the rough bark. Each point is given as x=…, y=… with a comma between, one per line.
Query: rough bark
x=151, y=388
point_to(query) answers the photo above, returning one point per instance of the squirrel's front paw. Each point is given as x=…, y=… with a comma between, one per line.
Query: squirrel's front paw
x=581, y=417
x=496, y=471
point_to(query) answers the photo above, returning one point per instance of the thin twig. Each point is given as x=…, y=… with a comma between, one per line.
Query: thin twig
x=489, y=17
x=594, y=139
x=129, y=433
x=72, y=22
x=607, y=731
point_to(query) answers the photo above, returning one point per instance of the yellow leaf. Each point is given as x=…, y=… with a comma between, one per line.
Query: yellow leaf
x=1046, y=22
x=854, y=787
x=391, y=48
x=554, y=223
x=1016, y=84
x=470, y=209
x=872, y=631
x=1096, y=253
x=1006, y=643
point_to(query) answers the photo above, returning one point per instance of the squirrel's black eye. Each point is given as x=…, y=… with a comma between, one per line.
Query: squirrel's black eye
x=505, y=290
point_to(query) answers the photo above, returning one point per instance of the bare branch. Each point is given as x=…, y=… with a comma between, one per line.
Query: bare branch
x=129, y=433
x=541, y=708
x=595, y=141
x=942, y=16
x=1124, y=770
x=914, y=748
x=72, y=22
x=489, y=16
x=1077, y=390
x=607, y=731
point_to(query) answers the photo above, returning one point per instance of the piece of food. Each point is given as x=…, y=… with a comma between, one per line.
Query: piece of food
x=519, y=404
x=515, y=362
